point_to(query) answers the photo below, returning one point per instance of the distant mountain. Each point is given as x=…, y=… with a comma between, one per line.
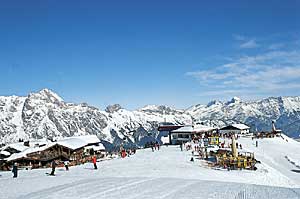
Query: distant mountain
x=285, y=111
x=46, y=115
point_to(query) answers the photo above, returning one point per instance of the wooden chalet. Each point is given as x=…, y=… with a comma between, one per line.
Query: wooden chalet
x=71, y=148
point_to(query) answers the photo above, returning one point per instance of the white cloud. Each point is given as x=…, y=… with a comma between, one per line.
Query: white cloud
x=245, y=42
x=239, y=37
x=270, y=73
x=276, y=46
x=249, y=44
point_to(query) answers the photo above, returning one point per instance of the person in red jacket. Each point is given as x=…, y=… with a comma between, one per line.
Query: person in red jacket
x=94, y=160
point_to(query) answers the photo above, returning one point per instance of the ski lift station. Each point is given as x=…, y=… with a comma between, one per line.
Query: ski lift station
x=180, y=134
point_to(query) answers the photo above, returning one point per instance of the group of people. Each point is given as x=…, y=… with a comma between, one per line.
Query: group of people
x=127, y=152
x=53, y=165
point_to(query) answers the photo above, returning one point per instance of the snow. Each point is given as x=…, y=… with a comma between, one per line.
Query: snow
x=195, y=128
x=6, y=153
x=240, y=126
x=18, y=146
x=96, y=148
x=165, y=139
x=69, y=142
x=78, y=141
x=24, y=153
x=167, y=173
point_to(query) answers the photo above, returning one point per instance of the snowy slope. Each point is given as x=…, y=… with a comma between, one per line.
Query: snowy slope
x=167, y=173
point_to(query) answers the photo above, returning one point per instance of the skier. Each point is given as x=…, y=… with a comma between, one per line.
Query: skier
x=66, y=163
x=53, y=165
x=152, y=147
x=94, y=159
x=181, y=146
x=157, y=145
x=15, y=170
x=123, y=153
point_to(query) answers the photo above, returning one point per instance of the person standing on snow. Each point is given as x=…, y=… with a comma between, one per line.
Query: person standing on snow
x=94, y=160
x=15, y=170
x=156, y=145
x=181, y=146
x=152, y=147
x=66, y=163
x=53, y=165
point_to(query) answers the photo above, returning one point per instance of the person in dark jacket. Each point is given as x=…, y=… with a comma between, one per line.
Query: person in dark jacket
x=152, y=146
x=53, y=165
x=15, y=170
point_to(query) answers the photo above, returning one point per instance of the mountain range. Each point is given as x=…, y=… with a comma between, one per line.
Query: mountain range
x=45, y=115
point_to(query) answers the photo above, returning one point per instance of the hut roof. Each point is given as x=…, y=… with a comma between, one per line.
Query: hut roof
x=23, y=154
x=96, y=148
x=78, y=141
x=235, y=127
x=194, y=129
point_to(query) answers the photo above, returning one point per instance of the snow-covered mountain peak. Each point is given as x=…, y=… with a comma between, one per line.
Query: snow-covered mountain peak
x=45, y=115
x=149, y=107
x=113, y=108
x=161, y=109
x=214, y=102
x=46, y=95
x=234, y=100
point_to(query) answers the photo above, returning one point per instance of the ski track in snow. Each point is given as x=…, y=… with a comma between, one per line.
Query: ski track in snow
x=161, y=188
x=163, y=174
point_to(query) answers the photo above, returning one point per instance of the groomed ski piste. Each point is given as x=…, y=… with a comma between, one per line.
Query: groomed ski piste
x=167, y=173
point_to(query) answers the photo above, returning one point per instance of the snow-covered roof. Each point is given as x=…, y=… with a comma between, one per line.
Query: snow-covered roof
x=100, y=147
x=194, y=129
x=241, y=126
x=78, y=141
x=235, y=126
x=6, y=153
x=70, y=142
x=17, y=146
x=24, y=153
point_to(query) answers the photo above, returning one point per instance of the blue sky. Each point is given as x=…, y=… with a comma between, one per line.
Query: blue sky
x=177, y=53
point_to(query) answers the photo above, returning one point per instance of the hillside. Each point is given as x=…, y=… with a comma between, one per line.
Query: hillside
x=167, y=173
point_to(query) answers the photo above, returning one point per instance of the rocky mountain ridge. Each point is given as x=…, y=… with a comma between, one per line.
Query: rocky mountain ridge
x=45, y=115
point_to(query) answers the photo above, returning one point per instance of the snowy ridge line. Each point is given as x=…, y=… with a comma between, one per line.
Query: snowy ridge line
x=45, y=115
